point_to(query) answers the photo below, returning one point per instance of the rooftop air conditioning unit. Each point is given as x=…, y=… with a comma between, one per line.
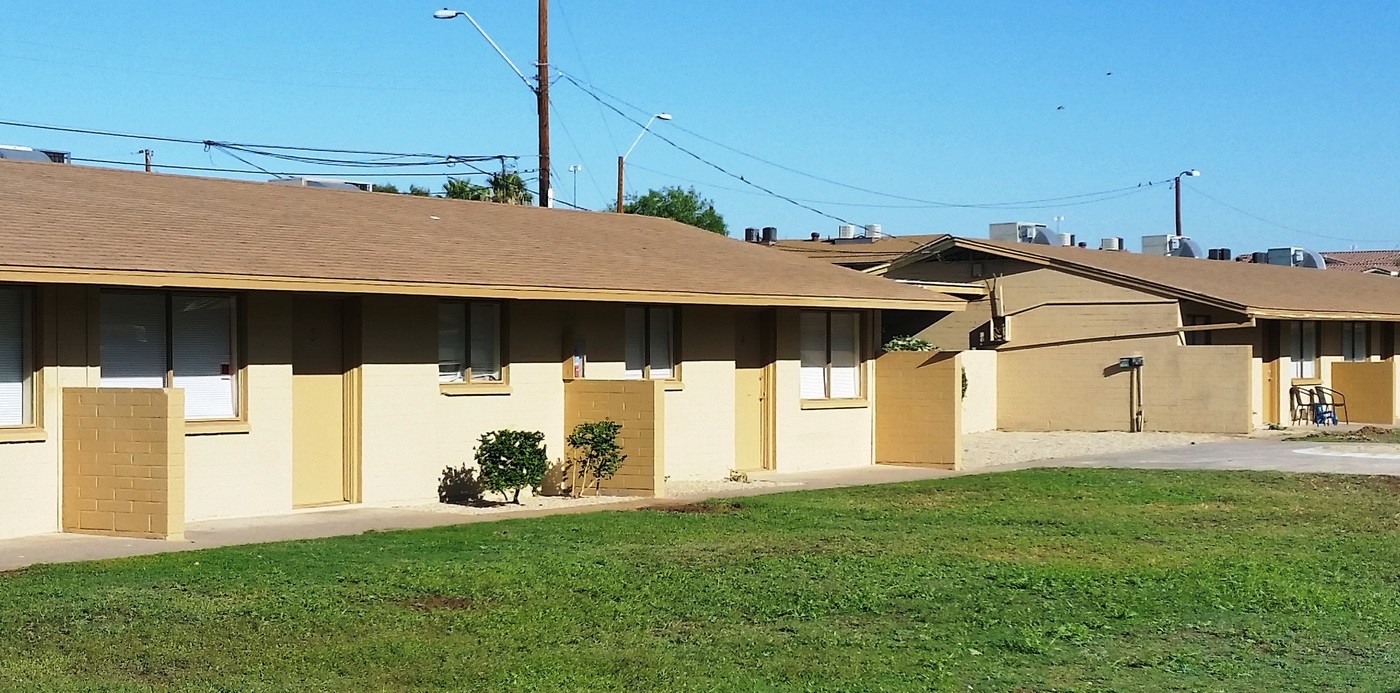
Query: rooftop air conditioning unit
x=331, y=183
x=1019, y=232
x=1111, y=243
x=20, y=153
x=1296, y=257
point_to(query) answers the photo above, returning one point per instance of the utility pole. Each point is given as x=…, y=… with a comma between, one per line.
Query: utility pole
x=148, y=154
x=574, y=169
x=542, y=95
x=1176, y=183
x=621, y=160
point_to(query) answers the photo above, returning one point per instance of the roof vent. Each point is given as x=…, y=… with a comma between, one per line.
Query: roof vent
x=1296, y=257
x=846, y=231
x=873, y=232
x=1111, y=243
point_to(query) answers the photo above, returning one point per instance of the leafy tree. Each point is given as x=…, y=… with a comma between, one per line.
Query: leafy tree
x=511, y=461
x=419, y=191
x=385, y=188
x=597, y=453
x=682, y=204
x=510, y=189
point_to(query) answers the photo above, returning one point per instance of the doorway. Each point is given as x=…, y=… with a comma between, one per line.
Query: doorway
x=1271, y=336
x=320, y=450
x=753, y=385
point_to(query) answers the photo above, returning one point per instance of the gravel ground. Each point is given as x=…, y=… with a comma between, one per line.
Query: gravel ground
x=681, y=489
x=492, y=504
x=1009, y=447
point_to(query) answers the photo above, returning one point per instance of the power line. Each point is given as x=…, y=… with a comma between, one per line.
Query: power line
x=921, y=203
x=1196, y=189
x=705, y=161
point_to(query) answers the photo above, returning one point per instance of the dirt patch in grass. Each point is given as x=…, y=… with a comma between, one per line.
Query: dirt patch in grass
x=440, y=602
x=1365, y=434
x=702, y=508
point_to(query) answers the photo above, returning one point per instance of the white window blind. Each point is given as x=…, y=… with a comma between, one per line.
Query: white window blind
x=635, y=350
x=813, y=353
x=485, y=325
x=14, y=367
x=845, y=355
x=452, y=341
x=659, y=343
x=1356, y=344
x=133, y=339
x=1304, y=348
x=203, y=364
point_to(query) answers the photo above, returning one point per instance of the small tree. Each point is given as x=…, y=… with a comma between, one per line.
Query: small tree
x=908, y=343
x=419, y=191
x=684, y=205
x=511, y=461
x=386, y=188
x=458, y=189
x=596, y=453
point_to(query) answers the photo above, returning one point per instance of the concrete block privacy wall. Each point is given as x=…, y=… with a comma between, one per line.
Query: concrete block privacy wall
x=639, y=405
x=1369, y=389
x=124, y=462
x=918, y=410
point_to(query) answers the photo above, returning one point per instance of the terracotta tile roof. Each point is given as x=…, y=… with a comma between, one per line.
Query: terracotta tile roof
x=126, y=227
x=1362, y=260
x=1258, y=289
x=886, y=249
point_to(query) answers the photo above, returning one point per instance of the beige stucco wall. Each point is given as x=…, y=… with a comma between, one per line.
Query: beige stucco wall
x=815, y=439
x=700, y=417
x=979, y=404
x=29, y=471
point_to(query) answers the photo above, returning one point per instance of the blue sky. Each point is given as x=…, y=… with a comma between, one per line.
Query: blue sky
x=1289, y=109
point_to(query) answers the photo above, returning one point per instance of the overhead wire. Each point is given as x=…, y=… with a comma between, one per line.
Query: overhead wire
x=1196, y=190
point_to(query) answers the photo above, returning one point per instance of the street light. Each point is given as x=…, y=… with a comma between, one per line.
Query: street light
x=540, y=86
x=1177, y=184
x=621, y=160
x=574, y=169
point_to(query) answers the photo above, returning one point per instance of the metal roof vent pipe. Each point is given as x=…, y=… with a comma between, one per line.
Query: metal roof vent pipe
x=816, y=236
x=750, y=235
x=873, y=232
x=770, y=235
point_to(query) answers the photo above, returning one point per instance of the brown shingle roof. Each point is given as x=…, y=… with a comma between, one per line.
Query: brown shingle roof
x=126, y=227
x=885, y=249
x=1256, y=289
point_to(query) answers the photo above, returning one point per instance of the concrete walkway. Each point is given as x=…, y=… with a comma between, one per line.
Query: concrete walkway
x=1240, y=454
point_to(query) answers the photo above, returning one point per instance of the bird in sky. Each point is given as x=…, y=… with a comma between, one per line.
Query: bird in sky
x=1059, y=108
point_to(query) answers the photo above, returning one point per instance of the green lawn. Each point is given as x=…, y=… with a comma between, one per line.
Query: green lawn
x=1039, y=580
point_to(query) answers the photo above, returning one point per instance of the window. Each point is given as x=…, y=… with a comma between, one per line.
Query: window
x=1303, y=348
x=830, y=351
x=650, y=342
x=1356, y=342
x=185, y=340
x=16, y=364
x=1198, y=338
x=469, y=342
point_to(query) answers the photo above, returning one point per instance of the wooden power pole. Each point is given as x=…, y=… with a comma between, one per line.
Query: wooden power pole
x=542, y=96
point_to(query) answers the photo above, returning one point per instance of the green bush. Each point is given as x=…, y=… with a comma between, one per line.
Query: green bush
x=511, y=461
x=597, y=453
x=908, y=343
x=459, y=486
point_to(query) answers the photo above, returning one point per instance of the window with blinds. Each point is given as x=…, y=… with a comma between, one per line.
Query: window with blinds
x=830, y=355
x=186, y=340
x=649, y=336
x=1356, y=342
x=469, y=342
x=1303, y=348
x=16, y=368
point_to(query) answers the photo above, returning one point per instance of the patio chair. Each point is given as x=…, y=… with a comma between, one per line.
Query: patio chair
x=1331, y=403
x=1300, y=405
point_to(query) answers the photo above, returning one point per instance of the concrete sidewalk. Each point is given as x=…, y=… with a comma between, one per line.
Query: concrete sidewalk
x=1242, y=454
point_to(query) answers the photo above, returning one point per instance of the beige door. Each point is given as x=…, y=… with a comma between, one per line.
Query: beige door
x=1272, y=336
x=752, y=420
x=318, y=401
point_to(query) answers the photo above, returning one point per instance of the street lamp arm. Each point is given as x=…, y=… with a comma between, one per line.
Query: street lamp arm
x=645, y=128
x=451, y=14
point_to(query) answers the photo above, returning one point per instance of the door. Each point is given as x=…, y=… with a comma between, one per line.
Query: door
x=318, y=401
x=752, y=379
x=1271, y=334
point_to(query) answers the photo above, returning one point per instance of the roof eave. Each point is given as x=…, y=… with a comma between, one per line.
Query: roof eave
x=234, y=282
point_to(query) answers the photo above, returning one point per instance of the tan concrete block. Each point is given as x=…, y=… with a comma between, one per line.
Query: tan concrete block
x=138, y=524
x=137, y=495
x=96, y=520
x=149, y=508
x=114, y=506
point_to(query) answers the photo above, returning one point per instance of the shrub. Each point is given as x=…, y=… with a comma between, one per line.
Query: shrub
x=908, y=343
x=597, y=453
x=511, y=461
x=459, y=485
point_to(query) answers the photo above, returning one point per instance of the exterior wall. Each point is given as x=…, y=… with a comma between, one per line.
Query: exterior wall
x=1369, y=388
x=917, y=407
x=700, y=416
x=640, y=406
x=979, y=403
x=124, y=462
x=30, y=485
x=248, y=472
x=816, y=438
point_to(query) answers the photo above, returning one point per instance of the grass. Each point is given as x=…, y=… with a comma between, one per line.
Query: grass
x=1038, y=580
x=1365, y=434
